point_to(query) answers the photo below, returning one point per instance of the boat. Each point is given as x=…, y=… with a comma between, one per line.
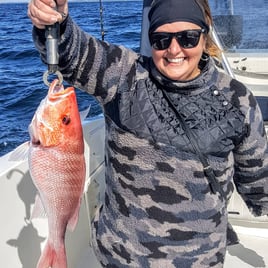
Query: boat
x=22, y=239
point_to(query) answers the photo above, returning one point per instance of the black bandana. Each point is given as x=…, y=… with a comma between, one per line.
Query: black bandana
x=168, y=11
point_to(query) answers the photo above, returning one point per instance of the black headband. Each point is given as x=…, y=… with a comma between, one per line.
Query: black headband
x=168, y=11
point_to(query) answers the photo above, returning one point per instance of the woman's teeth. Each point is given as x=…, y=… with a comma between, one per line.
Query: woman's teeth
x=177, y=60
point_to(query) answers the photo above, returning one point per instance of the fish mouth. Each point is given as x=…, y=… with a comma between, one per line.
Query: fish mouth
x=57, y=90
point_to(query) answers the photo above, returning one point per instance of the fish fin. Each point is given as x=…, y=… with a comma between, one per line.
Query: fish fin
x=13, y=243
x=53, y=258
x=38, y=210
x=20, y=153
x=74, y=219
x=83, y=114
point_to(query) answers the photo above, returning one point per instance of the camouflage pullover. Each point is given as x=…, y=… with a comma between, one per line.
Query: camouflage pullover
x=159, y=210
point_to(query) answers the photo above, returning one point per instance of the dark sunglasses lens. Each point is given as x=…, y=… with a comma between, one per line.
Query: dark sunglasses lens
x=189, y=39
x=186, y=39
x=160, y=41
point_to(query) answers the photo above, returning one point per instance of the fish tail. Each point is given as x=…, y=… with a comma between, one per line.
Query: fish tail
x=52, y=258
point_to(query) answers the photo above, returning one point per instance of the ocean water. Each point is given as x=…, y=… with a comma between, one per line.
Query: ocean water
x=21, y=70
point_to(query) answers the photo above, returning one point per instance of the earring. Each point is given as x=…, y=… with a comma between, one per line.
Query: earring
x=205, y=57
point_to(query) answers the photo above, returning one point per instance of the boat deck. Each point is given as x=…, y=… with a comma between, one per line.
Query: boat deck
x=252, y=251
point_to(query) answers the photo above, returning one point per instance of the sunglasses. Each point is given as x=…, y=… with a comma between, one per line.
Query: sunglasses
x=186, y=39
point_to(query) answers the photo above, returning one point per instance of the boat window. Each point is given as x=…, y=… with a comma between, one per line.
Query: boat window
x=241, y=24
x=242, y=28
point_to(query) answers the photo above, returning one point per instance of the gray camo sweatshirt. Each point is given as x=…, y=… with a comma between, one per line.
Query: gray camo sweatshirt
x=159, y=209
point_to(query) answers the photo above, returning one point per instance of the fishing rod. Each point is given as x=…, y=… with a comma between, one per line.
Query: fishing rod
x=52, y=34
x=101, y=21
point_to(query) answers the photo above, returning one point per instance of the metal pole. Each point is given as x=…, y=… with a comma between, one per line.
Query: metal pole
x=231, y=7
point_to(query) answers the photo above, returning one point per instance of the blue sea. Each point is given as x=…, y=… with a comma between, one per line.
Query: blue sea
x=21, y=70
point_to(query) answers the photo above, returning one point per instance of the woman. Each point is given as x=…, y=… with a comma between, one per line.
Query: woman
x=179, y=133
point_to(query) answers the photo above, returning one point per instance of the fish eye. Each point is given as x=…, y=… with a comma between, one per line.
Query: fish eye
x=66, y=120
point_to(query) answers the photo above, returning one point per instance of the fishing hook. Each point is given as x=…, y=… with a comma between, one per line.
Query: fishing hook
x=57, y=73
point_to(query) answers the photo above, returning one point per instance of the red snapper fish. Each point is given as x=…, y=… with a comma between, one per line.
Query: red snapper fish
x=57, y=167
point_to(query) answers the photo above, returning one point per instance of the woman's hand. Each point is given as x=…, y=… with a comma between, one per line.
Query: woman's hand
x=47, y=12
